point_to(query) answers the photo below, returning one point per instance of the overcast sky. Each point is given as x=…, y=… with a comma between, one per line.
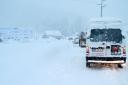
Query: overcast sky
x=38, y=13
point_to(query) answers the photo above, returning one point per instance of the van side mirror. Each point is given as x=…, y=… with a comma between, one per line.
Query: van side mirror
x=123, y=37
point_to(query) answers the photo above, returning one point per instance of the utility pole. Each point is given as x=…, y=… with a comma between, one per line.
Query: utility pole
x=101, y=7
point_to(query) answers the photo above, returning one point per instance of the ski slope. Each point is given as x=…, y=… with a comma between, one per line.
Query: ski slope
x=52, y=62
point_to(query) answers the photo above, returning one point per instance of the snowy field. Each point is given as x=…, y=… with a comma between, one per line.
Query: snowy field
x=53, y=62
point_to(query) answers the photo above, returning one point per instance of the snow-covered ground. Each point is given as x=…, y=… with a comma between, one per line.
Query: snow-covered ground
x=53, y=62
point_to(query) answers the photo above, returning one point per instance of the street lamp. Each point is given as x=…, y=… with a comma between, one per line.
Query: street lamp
x=102, y=5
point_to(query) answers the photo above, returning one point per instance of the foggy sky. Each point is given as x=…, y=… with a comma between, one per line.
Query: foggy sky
x=57, y=14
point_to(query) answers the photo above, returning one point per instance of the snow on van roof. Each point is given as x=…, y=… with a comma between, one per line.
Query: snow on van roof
x=109, y=22
x=105, y=20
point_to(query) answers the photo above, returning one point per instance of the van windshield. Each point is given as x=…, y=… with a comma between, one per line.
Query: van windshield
x=108, y=35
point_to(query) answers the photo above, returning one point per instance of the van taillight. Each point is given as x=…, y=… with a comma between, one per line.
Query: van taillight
x=124, y=51
x=87, y=49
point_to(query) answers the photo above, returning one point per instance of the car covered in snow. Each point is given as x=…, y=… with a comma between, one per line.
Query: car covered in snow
x=76, y=40
x=82, y=39
x=105, y=42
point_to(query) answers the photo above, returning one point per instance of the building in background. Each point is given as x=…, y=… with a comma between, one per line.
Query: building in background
x=52, y=33
x=15, y=34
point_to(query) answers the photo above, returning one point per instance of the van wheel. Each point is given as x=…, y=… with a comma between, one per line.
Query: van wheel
x=120, y=66
x=87, y=64
x=125, y=60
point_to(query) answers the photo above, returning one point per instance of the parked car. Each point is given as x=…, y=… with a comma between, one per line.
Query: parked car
x=82, y=39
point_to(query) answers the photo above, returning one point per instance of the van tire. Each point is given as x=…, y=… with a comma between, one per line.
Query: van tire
x=87, y=64
x=120, y=66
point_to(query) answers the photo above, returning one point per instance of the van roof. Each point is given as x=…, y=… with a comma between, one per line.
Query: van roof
x=105, y=20
x=109, y=22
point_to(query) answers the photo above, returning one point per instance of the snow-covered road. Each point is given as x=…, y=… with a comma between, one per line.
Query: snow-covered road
x=56, y=62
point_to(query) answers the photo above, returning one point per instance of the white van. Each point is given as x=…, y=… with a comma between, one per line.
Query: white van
x=105, y=42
